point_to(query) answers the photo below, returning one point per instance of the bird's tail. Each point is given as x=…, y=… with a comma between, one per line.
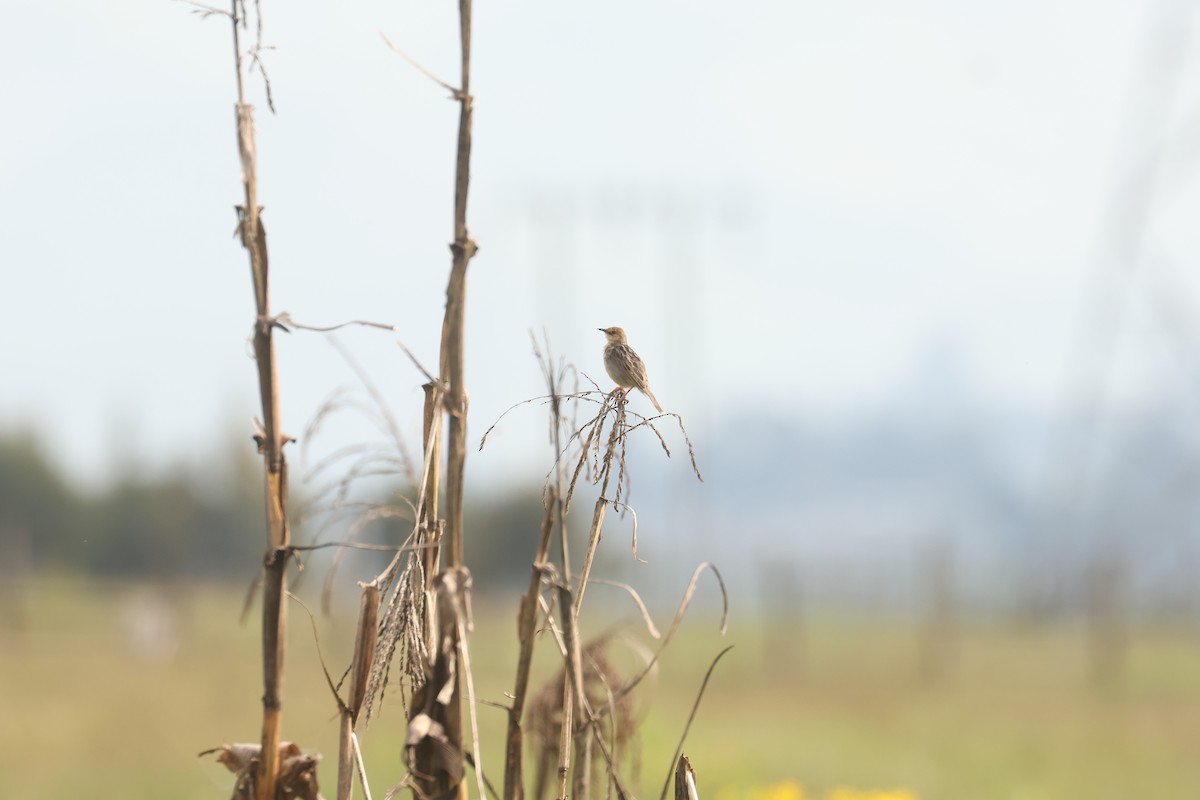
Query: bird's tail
x=653, y=399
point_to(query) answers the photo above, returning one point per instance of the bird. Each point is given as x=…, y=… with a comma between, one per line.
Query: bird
x=625, y=366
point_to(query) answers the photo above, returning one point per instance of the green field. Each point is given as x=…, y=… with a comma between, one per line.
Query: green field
x=105, y=691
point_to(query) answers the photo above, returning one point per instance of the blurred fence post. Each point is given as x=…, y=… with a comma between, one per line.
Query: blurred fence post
x=784, y=651
x=936, y=595
x=1107, y=637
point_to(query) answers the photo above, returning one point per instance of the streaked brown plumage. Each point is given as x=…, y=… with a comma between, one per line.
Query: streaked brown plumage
x=624, y=366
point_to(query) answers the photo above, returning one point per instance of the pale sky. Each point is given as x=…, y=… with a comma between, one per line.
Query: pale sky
x=788, y=205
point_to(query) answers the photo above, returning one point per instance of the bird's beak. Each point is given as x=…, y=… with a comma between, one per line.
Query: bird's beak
x=600, y=329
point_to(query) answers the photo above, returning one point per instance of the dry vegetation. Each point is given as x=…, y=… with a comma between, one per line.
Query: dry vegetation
x=414, y=625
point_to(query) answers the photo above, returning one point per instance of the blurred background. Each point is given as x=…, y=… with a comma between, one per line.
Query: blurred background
x=918, y=277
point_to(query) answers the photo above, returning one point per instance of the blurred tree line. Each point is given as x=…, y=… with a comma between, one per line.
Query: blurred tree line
x=201, y=520
x=205, y=520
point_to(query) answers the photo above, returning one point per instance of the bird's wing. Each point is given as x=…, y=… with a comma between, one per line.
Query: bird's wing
x=638, y=368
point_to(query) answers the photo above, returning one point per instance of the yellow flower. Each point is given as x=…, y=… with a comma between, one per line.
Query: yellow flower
x=784, y=790
x=791, y=790
x=844, y=793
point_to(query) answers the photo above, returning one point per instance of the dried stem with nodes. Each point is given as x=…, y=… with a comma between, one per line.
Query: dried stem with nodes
x=428, y=614
x=270, y=437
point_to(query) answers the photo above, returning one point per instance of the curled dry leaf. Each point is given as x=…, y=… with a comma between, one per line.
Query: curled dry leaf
x=427, y=736
x=297, y=770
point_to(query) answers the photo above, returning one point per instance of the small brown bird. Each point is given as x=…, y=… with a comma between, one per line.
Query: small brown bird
x=624, y=366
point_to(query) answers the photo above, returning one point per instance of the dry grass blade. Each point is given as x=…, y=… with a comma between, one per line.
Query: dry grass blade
x=364, y=646
x=286, y=320
x=363, y=520
x=336, y=494
x=593, y=543
x=551, y=625
x=483, y=439
x=650, y=628
x=321, y=656
x=206, y=11
x=426, y=468
x=691, y=717
x=362, y=769
x=610, y=702
x=683, y=605
x=393, y=427
x=461, y=604
x=622, y=792
x=248, y=598
x=322, y=522
x=551, y=398
x=682, y=430
x=257, y=49
x=691, y=589
x=626, y=507
x=366, y=633
x=378, y=548
x=556, y=399
x=454, y=91
x=583, y=457
x=691, y=450
x=418, y=364
x=564, y=741
x=649, y=423
x=338, y=402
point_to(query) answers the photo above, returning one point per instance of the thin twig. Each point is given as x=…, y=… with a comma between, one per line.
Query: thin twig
x=650, y=628
x=321, y=656
x=454, y=91
x=286, y=320
x=206, y=11
x=679, y=613
x=386, y=548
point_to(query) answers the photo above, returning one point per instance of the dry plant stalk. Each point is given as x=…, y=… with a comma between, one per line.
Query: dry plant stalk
x=360, y=672
x=573, y=660
x=685, y=780
x=430, y=531
x=514, y=776
x=436, y=778
x=270, y=438
x=463, y=249
x=426, y=610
